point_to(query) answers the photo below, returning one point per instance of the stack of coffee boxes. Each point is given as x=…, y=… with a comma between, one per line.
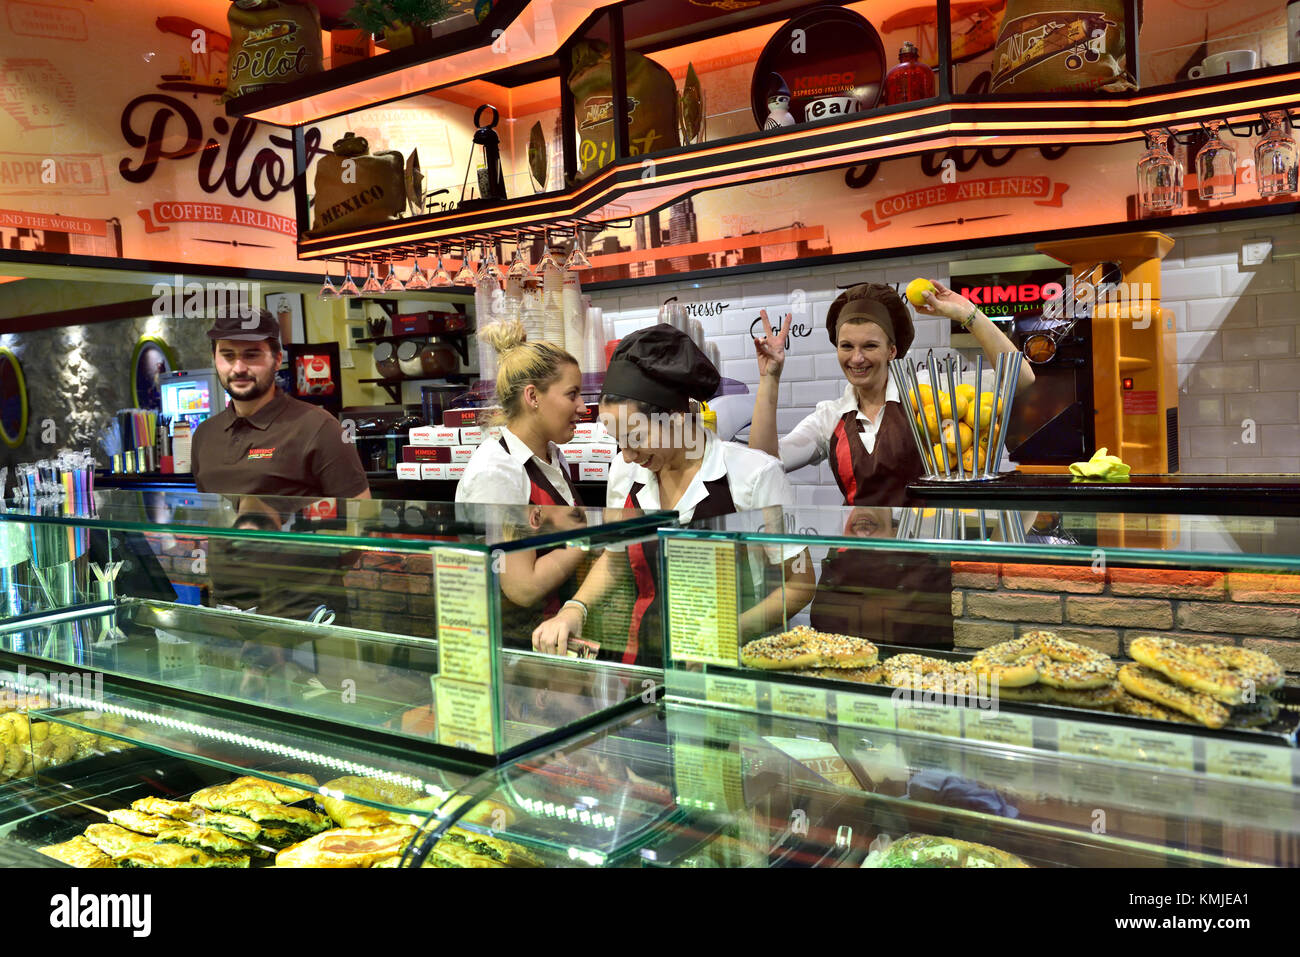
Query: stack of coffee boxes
x=591, y=449
x=439, y=453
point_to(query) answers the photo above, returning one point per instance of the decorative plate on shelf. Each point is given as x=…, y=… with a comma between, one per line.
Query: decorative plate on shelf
x=824, y=64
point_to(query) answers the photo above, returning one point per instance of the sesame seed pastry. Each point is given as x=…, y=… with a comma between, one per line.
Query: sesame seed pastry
x=803, y=647
x=1152, y=685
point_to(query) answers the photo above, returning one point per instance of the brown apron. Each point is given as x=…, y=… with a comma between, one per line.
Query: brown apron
x=517, y=622
x=880, y=477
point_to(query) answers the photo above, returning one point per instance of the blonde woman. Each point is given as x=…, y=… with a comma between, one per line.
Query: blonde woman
x=539, y=388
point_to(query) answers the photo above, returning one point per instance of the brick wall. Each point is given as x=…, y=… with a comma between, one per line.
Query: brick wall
x=1237, y=342
x=1105, y=610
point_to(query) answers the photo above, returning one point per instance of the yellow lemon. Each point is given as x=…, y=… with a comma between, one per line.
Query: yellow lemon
x=966, y=391
x=929, y=421
x=927, y=397
x=938, y=458
x=954, y=432
x=985, y=413
x=946, y=410
x=916, y=290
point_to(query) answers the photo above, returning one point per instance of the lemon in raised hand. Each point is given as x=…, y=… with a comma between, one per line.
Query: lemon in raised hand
x=916, y=290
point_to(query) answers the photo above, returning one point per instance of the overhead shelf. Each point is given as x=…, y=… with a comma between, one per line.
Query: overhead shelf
x=637, y=185
x=515, y=33
x=516, y=44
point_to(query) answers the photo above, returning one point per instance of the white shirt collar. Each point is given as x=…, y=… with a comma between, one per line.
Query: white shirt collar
x=849, y=400
x=712, y=468
x=521, y=453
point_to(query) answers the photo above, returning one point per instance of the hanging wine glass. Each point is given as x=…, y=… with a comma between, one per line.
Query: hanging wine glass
x=548, y=260
x=1277, y=161
x=468, y=274
x=418, y=279
x=372, y=285
x=327, y=290
x=489, y=268
x=577, y=260
x=349, y=287
x=391, y=282
x=1216, y=166
x=519, y=268
x=1160, y=175
x=441, y=277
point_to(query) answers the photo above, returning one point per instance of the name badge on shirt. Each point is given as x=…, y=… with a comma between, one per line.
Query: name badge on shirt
x=254, y=454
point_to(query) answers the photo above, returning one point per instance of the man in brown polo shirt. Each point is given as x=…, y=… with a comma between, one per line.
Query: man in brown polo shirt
x=267, y=451
x=266, y=442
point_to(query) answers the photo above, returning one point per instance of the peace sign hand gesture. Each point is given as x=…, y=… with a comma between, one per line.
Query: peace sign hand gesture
x=770, y=350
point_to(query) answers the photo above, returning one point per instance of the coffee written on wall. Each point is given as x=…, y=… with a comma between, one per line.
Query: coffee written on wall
x=271, y=42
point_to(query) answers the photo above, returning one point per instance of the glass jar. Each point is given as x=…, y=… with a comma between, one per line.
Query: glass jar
x=1216, y=166
x=1277, y=160
x=1160, y=175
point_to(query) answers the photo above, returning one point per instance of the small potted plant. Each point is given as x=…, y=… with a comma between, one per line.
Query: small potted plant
x=400, y=22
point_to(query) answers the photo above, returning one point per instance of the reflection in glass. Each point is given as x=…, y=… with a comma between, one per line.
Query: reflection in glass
x=1277, y=160
x=577, y=260
x=1160, y=175
x=349, y=288
x=327, y=290
x=417, y=280
x=1216, y=166
x=441, y=277
x=391, y=282
x=372, y=284
x=468, y=274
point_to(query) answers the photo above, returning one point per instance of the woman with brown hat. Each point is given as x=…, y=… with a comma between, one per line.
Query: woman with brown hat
x=864, y=433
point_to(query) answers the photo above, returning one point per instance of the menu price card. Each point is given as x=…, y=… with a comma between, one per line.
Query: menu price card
x=703, y=624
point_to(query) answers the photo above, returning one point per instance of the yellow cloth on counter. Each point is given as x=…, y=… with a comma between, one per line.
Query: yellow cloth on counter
x=1101, y=467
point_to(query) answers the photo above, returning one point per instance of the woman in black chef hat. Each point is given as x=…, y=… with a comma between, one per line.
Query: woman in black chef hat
x=671, y=461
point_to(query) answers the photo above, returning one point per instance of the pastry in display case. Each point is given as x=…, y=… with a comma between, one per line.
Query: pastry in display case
x=1157, y=639
x=685, y=785
x=339, y=686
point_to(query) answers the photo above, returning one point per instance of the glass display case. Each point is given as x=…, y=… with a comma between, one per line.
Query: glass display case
x=686, y=785
x=318, y=609
x=1163, y=641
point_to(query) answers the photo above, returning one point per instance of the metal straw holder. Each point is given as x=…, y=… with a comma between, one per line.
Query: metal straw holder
x=945, y=464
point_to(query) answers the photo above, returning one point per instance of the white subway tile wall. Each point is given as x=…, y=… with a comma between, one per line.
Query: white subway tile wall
x=1238, y=362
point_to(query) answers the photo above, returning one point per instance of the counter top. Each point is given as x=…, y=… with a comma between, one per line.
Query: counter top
x=1255, y=494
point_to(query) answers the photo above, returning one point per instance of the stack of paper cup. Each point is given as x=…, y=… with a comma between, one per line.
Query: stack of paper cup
x=575, y=320
x=593, y=343
x=483, y=313
x=553, y=306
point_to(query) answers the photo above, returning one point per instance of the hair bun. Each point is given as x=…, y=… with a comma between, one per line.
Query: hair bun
x=504, y=336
